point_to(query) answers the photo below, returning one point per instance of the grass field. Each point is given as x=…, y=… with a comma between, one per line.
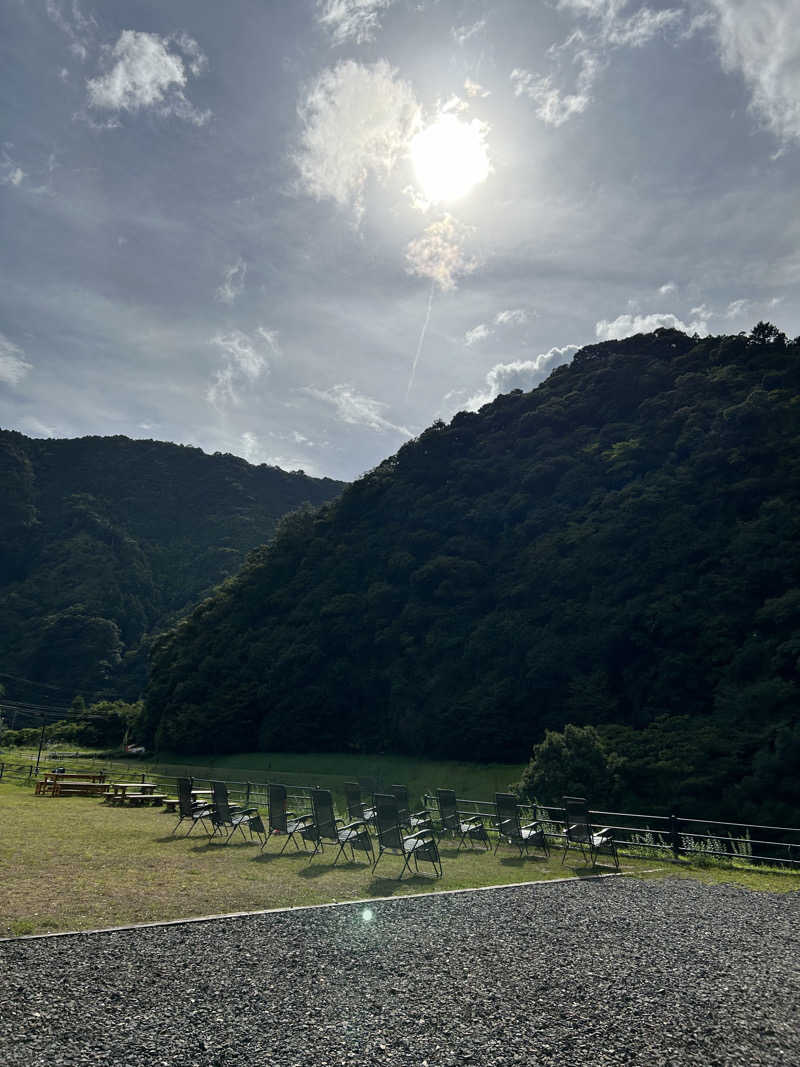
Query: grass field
x=76, y=863
x=330, y=770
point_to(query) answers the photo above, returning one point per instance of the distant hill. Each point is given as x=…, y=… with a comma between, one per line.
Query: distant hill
x=106, y=540
x=618, y=546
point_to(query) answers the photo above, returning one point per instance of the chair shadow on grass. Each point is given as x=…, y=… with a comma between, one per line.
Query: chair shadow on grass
x=317, y=870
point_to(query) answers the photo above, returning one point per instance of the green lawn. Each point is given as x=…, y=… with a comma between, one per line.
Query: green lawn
x=75, y=863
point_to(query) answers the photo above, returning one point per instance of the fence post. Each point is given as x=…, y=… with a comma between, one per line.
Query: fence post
x=675, y=839
x=2, y=768
x=30, y=772
x=249, y=787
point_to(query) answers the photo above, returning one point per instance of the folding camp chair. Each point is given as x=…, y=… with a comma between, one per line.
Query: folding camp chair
x=414, y=820
x=326, y=827
x=578, y=831
x=190, y=809
x=467, y=827
x=225, y=815
x=285, y=822
x=509, y=827
x=356, y=808
x=391, y=838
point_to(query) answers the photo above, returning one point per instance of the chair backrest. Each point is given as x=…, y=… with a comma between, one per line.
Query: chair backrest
x=400, y=793
x=185, y=805
x=352, y=796
x=276, y=797
x=577, y=825
x=387, y=821
x=222, y=808
x=323, y=814
x=507, y=815
x=448, y=809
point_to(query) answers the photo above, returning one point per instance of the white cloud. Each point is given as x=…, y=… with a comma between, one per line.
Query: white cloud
x=472, y=88
x=553, y=106
x=351, y=20
x=477, y=334
x=233, y=277
x=244, y=361
x=357, y=122
x=79, y=28
x=462, y=34
x=702, y=311
x=629, y=325
x=521, y=374
x=14, y=176
x=144, y=74
x=668, y=288
x=760, y=40
x=511, y=317
x=736, y=308
x=439, y=253
x=356, y=409
x=588, y=49
x=13, y=365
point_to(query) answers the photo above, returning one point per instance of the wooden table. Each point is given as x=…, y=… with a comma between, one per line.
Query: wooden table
x=77, y=788
x=121, y=788
x=47, y=785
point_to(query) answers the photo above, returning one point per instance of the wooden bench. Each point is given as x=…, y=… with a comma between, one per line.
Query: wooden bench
x=135, y=799
x=79, y=789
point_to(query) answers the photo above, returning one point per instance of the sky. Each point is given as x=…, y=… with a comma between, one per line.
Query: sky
x=302, y=231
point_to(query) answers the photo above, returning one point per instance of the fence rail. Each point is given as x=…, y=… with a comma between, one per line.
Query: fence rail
x=634, y=832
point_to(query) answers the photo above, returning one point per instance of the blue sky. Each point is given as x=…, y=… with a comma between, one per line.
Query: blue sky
x=219, y=226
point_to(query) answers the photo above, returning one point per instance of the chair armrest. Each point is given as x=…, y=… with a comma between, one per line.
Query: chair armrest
x=535, y=825
x=420, y=834
x=470, y=818
x=357, y=824
x=422, y=811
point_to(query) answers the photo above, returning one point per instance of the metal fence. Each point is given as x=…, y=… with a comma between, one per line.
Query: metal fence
x=665, y=835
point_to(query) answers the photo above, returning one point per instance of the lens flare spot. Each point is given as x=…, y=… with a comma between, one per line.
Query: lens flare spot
x=450, y=157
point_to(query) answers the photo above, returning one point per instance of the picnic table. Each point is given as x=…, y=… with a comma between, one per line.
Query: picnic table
x=53, y=783
x=134, y=793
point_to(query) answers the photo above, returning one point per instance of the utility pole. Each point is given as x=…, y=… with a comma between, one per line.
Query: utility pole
x=41, y=743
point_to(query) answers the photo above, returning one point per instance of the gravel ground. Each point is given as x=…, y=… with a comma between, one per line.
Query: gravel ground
x=596, y=972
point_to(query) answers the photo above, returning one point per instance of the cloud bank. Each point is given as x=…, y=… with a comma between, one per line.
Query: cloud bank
x=13, y=365
x=520, y=374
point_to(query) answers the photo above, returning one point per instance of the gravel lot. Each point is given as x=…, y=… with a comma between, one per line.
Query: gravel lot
x=596, y=972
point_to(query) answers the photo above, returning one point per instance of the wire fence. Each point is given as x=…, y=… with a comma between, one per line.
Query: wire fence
x=666, y=836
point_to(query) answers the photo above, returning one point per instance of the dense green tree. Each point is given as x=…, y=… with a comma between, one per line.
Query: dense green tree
x=570, y=763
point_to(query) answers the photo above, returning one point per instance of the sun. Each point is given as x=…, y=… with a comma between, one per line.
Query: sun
x=450, y=158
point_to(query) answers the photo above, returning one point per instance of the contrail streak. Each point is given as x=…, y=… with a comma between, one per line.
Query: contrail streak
x=421, y=340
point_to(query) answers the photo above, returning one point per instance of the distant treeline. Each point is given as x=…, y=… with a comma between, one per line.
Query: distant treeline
x=105, y=541
x=619, y=547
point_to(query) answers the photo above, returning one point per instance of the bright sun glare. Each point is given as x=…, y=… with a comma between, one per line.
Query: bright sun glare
x=450, y=158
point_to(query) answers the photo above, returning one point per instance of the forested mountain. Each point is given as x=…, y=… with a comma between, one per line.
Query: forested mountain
x=618, y=546
x=104, y=540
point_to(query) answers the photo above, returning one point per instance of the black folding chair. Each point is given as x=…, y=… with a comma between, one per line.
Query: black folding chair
x=326, y=827
x=391, y=838
x=281, y=821
x=356, y=808
x=465, y=827
x=191, y=809
x=231, y=817
x=510, y=828
x=579, y=831
x=414, y=820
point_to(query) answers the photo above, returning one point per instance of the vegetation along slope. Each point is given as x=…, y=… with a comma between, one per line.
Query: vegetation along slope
x=104, y=540
x=618, y=547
